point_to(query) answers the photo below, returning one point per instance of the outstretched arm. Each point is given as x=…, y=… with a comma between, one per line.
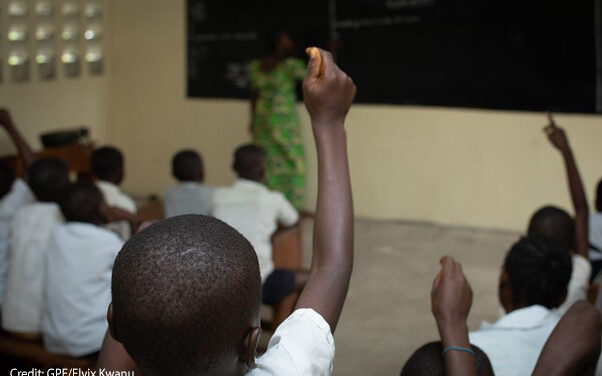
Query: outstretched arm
x=25, y=153
x=573, y=347
x=328, y=94
x=451, y=299
x=558, y=138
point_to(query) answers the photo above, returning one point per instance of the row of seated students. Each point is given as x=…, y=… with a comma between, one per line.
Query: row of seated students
x=185, y=292
x=56, y=249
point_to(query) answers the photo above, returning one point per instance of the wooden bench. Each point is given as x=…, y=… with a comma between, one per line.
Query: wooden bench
x=33, y=353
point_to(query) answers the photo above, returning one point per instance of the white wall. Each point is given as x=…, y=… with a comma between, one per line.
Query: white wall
x=38, y=106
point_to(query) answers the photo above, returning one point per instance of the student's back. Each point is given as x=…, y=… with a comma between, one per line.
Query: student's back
x=78, y=281
x=108, y=169
x=533, y=283
x=14, y=192
x=79, y=261
x=30, y=230
x=190, y=195
x=19, y=196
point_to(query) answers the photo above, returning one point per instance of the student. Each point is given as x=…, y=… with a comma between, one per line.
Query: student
x=595, y=234
x=255, y=211
x=186, y=291
x=190, y=196
x=427, y=361
x=14, y=192
x=31, y=229
x=107, y=167
x=573, y=348
x=533, y=283
x=558, y=225
x=77, y=283
x=451, y=300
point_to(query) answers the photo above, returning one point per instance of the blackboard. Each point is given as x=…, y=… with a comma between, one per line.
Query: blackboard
x=225, y=35
x=531, y=55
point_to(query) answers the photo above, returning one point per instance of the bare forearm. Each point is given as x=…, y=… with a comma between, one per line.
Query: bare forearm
x=579, y=200
x=333, y=228
x=25, y=153
x=457, y=363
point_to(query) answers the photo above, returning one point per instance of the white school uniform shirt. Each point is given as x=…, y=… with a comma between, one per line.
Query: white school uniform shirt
x=188, y=198
x=31, y=230
x=79, y=264
x=595, y=235
x=114, y=197
x=514, y=342
x=19, y=195
x=579, y=283
x=301, y=346
x=255, y=212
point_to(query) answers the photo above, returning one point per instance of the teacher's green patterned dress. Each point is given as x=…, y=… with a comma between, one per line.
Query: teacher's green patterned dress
x=276, y=126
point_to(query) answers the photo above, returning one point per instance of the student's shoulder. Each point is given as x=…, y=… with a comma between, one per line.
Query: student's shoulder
x=97, y=234
x=303, y=342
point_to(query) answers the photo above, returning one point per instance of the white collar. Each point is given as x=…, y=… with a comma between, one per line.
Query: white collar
x=524, y=318
x=249, y=183
x=107, y=185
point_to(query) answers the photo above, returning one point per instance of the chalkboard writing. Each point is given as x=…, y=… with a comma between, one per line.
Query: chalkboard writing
x=225, y=35
x=528, y=55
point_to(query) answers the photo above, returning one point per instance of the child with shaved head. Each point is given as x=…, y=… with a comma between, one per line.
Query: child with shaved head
x=186, y=291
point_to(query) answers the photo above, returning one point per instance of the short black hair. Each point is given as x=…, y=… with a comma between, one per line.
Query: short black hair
x=539, y=271
x=187, y=165
x=272, y=38
x=107, y=163
x=428, y=361
x=7, y=178
x=81, y=202
x=184, y=292
x=48, y=177
x=599, y=196
x=554, y=223
x=249, y=160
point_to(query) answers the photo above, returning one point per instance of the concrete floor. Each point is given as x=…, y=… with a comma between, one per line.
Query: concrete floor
x=387, y=314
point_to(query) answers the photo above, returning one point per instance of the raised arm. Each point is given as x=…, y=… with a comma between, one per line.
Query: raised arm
x=25, y=153
x=328, y=94
x=573, y=347
x=558, y=138
x=451, y=299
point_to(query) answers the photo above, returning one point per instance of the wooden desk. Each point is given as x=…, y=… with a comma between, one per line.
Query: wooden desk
x=76, y=156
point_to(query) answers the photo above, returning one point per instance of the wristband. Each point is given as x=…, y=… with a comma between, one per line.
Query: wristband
x=458, y=348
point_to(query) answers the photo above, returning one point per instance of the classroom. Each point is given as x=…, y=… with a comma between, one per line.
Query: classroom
x=461, y=128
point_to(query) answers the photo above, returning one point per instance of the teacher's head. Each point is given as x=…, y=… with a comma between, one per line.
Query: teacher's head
x=280, y=43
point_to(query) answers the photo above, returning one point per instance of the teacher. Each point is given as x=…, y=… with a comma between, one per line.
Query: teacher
x=275, y=123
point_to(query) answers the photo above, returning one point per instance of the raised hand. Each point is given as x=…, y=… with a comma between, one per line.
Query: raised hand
x=451, y=295
x=328, y=95
x=451, y=299
x=556, y=135
x=328, y=92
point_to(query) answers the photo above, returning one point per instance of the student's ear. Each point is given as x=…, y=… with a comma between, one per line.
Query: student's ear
x=248, y=349
x=112, y=330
